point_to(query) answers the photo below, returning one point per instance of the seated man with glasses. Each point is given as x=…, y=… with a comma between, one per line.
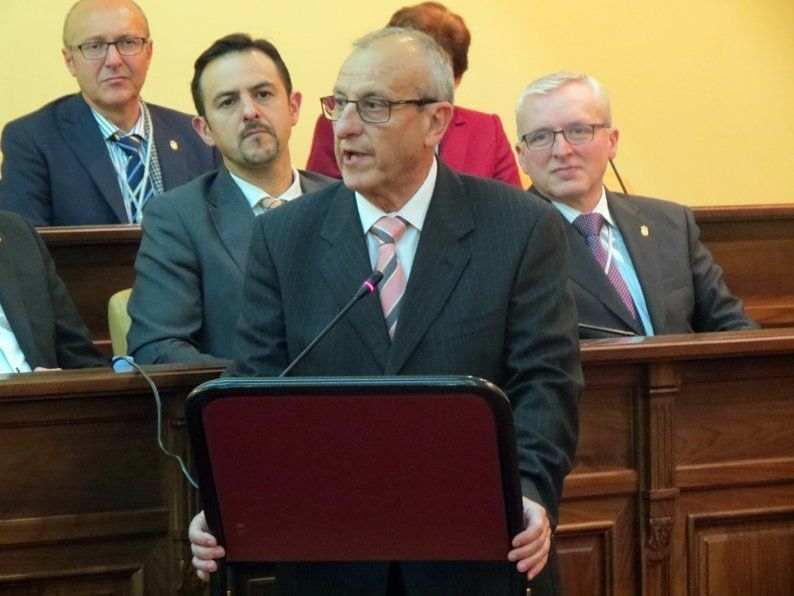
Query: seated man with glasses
x=98, y=157
x=637, y=265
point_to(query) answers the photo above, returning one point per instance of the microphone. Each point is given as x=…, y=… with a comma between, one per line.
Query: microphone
x=366, y=288
x=609, y=330
x=617, y=175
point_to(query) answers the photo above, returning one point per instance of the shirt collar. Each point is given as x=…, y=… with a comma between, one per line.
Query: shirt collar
x=414, y=211
x=108, y=129
x=253, y=194
x=601, y=207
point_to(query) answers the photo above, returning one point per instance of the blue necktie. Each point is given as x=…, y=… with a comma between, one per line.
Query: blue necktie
x=131, y=146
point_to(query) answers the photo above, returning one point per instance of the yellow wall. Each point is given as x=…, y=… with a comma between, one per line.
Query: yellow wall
x=702, y=91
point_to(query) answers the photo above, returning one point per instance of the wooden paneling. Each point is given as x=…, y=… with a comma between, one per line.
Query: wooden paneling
x=692, y=434
x=683, y=483
x=754, y=245
x=94, y=262
x=89, y=505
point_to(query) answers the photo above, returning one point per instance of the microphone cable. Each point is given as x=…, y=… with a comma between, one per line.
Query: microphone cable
x=130, y=362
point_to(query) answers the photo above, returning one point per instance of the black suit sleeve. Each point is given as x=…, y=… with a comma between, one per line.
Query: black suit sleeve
x=543, y=371
x=716, y=308
x=73, y=345
x=25, y=181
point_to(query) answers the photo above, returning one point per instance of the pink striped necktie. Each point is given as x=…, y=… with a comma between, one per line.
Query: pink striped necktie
x=387, y=231
x=589, y=225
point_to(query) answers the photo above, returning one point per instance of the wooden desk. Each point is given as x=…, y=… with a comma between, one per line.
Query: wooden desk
x=88, y=503
x=684, y=478
x=94, y=262
x=754, y=245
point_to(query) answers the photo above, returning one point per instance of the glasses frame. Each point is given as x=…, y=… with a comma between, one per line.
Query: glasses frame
x=389, y=103
x=107, y=44
x=561, y=131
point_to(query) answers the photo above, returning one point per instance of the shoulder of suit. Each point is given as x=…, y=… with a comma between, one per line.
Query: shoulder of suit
x=16, y=225
x=185, y=196
x=41, y=117
x=650, y=204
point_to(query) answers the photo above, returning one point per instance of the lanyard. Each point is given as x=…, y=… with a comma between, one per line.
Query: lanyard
x=138, y=201
x=610, y=248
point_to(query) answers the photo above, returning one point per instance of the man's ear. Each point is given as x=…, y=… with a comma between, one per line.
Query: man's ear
x=67, y=58
x=439, y=121
x=295, y=99
x=613, y=142
x=202, y=127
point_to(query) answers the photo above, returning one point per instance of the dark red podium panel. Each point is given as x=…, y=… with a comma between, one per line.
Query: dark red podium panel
x=358, y=469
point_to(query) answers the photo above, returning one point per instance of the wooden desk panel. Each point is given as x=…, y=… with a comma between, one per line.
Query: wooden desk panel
x=89, y=505
x=708, y=498
x=683, y=483
x=94, y=262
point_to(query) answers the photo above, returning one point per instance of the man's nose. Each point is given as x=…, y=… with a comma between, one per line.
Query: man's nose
x=561, y=146
x=249, y=107
x=349, y=122
x=113, y=57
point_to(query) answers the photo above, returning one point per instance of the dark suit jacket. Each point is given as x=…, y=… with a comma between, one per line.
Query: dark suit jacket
x=38, y=307
x=57, y=171
x=487, y=296
x=682, y=285
x=189, y=270
x=475, y=143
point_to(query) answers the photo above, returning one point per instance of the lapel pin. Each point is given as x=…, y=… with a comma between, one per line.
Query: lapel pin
x=174, y=145
x=644, y=231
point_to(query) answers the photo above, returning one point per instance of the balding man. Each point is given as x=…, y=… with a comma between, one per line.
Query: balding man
x=98, y=157
x=637, y=265
x=475, y=283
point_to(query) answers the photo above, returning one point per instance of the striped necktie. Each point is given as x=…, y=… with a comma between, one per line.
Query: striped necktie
x=387, y=231
x=131, y=145
x=266, y=203
x=589, y=225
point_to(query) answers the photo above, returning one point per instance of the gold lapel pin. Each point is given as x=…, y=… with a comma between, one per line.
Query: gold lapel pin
x=644, y=231
x=174, y=145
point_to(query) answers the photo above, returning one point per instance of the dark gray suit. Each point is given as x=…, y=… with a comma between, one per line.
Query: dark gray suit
x=57, y=170
x=682, y=285
x=487, y=297
x=38, y=307
x=189, y=270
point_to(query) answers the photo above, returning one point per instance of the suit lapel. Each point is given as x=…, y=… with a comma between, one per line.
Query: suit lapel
x=346, y=265
x=232, y=216
x=81, y=131
x=14, y=306
x=585, y=271
x=644, y=252
x=173, y=165
x=308, y=185
x=439, y=262
x=455, y=143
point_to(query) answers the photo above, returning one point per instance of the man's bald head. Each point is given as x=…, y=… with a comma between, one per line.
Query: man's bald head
x=83, y=8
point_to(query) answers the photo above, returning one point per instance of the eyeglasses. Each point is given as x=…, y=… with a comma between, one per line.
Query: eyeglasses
x=96, y=50
x=575, y=134
x=373, y=110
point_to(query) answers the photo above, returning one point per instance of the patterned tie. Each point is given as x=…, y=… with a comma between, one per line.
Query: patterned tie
x=589, y=225
x=387, y=231
x=131, y=146
x=266, y=203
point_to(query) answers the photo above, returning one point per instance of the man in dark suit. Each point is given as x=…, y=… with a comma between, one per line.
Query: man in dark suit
x=39, y=325
x=99, y=156
x=185, y=302
x=485, y=295
x=637, y=265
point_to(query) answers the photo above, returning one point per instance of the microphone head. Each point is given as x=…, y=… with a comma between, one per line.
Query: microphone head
x=373, y=280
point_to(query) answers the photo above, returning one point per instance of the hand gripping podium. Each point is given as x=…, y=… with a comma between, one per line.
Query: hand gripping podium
x=356, y=469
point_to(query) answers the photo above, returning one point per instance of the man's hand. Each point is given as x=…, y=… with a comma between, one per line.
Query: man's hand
x=204, y=547
x=531, y=547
